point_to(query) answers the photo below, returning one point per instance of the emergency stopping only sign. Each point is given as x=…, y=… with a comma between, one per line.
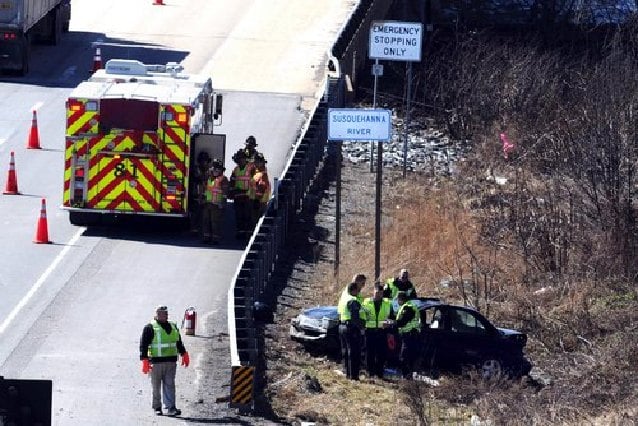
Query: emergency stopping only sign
x=359, y=124
x=396, y=41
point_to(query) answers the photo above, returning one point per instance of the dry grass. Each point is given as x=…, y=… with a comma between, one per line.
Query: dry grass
x=584, y=336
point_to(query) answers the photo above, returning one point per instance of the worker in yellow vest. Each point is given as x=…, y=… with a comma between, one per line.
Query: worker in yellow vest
x=260, y=191
x=199, y=176
x=351, y=326
x=401, y=283
x=160, y=346
x=215, y=193
x=240, y=182
x=378, y=321
x=360, y=281
x=408, y=324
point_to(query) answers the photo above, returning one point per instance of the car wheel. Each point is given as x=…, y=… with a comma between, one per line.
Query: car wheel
x=491, y=369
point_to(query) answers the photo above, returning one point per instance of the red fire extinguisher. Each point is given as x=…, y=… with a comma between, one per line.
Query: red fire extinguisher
x=188, y=323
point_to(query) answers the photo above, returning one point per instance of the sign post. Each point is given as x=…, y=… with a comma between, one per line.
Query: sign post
x=377, y=71
x=360, y=125
x=392, y=41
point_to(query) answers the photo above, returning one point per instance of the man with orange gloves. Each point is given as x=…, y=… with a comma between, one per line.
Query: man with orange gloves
x=160, y=345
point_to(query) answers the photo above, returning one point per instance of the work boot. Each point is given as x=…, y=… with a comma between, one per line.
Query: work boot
x=174, y=412
x=158, y=411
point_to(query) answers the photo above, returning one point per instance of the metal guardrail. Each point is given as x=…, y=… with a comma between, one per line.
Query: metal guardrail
x=253, y=285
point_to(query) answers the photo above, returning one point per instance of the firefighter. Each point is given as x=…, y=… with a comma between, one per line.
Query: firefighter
x=160, y=346
x=408, y=324
x=401, y=283
x=378, y=320
x=215, y=193
x=250, y=150
x=260, y=189
x=240, y=181
x=351, y=326
x=199, y=183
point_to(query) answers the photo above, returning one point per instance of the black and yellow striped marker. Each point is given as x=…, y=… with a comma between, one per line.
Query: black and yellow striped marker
x=241, y=385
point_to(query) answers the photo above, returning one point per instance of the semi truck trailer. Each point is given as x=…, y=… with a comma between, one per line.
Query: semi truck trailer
x=25, y=21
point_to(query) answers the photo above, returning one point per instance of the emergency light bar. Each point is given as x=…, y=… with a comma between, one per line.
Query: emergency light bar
x=133, y=67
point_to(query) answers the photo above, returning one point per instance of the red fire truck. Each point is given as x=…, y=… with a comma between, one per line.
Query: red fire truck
x=133, y=132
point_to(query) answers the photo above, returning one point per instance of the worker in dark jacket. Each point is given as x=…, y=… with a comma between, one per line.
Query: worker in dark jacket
x=378, y=320
x=351, y=326
x=408, y=324
x=160, y=346
x=400, y=283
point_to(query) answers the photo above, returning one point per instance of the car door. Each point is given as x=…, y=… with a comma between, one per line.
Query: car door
x=465, y=338
x=435, y=350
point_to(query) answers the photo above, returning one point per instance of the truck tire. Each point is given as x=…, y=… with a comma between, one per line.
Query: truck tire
x=55, y=25
x=84, y=218
x=26, y=56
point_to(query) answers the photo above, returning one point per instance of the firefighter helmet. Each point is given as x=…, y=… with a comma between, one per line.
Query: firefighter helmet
x=251, y=141
x=217, y=165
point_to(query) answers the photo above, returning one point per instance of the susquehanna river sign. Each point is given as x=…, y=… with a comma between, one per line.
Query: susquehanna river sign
x=359, y=124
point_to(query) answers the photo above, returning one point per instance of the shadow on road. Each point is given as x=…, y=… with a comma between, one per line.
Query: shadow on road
x=163, y=230
x=71, y=61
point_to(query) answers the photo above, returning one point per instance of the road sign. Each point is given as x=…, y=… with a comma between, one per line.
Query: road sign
x=377, y=70
x=359, y=124
x=396, y=41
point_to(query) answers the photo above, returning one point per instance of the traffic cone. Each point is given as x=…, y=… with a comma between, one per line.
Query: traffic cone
x=34, y=138
x=158, y=2
x=42, y=232
x=97, y=60
x=12, y=181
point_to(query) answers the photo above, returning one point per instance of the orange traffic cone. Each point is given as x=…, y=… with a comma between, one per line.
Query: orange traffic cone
x=12, y=181
x=97, y=60
x=34, y=138
x=42, y=232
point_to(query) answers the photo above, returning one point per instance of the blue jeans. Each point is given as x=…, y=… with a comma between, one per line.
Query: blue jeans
x=163, y=380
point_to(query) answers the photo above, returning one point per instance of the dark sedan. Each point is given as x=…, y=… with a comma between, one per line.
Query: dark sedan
x=458, y=336
x=453, y=337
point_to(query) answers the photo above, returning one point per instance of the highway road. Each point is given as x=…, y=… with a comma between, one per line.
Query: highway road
x=73, y=311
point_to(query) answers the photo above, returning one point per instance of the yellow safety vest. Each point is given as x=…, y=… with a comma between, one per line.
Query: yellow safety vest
x=394, y=289
x=344, y=313
x=344, y=294
x=375, y=319
x=215, y=190
x=242, y=177
x=415, y=323
x=163, y=344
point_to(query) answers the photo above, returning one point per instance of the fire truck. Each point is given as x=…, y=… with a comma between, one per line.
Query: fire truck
x=133, y=132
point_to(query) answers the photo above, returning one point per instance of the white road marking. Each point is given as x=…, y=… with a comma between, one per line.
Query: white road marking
x=37, y=106
x=16, y=310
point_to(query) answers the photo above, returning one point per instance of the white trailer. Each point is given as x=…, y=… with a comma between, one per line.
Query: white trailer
x=25, y=21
